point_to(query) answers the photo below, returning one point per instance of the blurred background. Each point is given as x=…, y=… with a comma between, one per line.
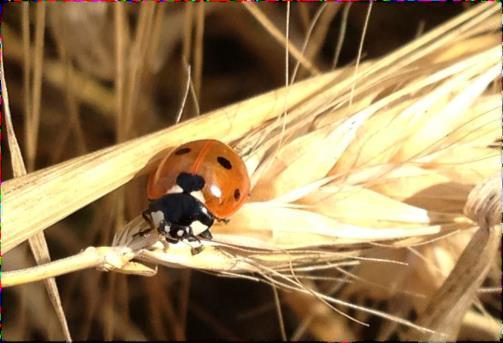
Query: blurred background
x=82, y=77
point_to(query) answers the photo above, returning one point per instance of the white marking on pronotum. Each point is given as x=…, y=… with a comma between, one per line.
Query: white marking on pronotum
x=179, y=233
x=175, y=189
x=198, y=195
x=198, y=227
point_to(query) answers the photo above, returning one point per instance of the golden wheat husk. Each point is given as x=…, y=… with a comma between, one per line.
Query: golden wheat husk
x=349, y=178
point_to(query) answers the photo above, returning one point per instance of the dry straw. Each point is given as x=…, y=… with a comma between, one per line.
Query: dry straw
x=356, y=174
x=38, y=243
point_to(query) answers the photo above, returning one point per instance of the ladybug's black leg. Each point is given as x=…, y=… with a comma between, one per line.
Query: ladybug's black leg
x=190, y=238
x=193, y=238
x=206, y=234
x=143, y=233
x=169, y=233
x=222, y=220
x=196, y=250
x=148, y=219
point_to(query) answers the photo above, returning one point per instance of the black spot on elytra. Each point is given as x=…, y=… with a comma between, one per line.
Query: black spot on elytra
x=182, y=151
x=224, y=162
x=237, y=194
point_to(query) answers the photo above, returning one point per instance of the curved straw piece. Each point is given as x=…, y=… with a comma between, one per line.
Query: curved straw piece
x=450, y=303
x=40, y=199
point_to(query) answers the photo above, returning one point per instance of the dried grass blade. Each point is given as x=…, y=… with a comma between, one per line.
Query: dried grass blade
x=91, y=92
x=103, y=258
x=449, y=117
x=269, y=26
x=480, y=327
x=38, y=244
x=342, y=34
x=279, y=312
x=187, y=30
x=308, y=36
x=121, y=27
x=77, y=182
x=26, y=57
x=360, y=49
x=320, y=33
x=288, y=283
x=450, y=303
x=33, y=120
x=198, y=52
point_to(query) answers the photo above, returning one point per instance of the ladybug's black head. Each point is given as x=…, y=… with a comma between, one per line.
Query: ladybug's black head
x=190, y=182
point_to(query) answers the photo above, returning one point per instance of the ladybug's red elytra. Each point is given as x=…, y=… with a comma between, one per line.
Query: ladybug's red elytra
x=200, y=181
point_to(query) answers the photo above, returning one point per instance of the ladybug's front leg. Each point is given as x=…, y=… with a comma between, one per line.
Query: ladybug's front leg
x=190, y=238
x=222, y=220
x=148, y=219
x=206, y=235
x=162, y=226
x=194, y=250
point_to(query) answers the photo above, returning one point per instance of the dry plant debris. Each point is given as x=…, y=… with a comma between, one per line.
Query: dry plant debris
x=368, y=184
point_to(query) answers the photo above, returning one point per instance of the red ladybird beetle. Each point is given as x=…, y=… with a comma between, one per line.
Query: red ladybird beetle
x=199, y=182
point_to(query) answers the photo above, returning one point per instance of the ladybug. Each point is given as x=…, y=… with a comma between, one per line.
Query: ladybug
x=199, y=182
